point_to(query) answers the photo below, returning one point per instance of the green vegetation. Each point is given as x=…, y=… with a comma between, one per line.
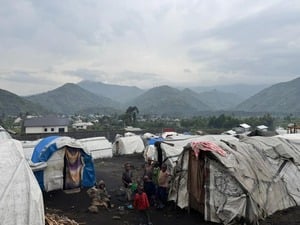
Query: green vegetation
x=226, y=122
x=218, y=123
x=207, y=124
x=130, y=116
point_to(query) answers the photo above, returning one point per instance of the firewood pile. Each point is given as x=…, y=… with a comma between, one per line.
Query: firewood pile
x=54, y=219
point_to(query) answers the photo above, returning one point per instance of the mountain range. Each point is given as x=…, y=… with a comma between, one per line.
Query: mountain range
x=71, y=98
x=96, y=97
x=12, y=104
x=282, y=98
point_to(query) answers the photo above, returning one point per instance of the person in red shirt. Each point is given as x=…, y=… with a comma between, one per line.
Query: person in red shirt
x=141, y=204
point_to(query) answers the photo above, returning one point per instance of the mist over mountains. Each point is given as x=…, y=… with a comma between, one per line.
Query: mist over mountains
x=96, y=97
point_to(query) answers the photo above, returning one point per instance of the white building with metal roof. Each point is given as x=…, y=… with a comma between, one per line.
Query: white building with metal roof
x=48, y=124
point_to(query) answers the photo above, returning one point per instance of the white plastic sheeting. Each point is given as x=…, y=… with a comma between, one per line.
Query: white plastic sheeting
x=128, y=145
x=21, y=200
x=172, y=148
x=53, y=173
x=98, y=147
x=4, y=134
x=28, y=147
x=52, y=150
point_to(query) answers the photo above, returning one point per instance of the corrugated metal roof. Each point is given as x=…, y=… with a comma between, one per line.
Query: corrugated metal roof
x=244, y=125
x=261, y=127
x=46, y=121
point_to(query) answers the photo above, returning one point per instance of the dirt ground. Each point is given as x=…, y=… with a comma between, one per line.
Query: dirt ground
x=75, y=205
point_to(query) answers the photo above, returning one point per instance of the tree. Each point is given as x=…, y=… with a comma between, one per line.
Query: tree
x=222, y=121
x=131, y=115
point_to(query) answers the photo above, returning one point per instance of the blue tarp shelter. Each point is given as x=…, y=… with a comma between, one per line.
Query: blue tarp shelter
x=67, y=164
x=151, y=141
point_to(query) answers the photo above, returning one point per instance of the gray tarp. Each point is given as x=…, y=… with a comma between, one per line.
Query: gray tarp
x=257, y=177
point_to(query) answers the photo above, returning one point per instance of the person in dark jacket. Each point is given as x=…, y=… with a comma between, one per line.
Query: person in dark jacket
x=127, y=180
x=150, y=190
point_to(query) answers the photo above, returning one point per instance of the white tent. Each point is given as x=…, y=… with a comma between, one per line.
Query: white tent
x=28, y=148
x=148, y=135
x=21, y=199
x=128, y=145
x=252, y=178
x=98, y=147
x=4, y=135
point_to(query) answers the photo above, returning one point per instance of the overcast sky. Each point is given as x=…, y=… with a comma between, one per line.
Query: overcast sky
x=46, y=43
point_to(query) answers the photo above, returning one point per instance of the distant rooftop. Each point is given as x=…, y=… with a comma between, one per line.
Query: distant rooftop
x=46, y=121
x=130, y=128
x=244, y=125
x=262, y=127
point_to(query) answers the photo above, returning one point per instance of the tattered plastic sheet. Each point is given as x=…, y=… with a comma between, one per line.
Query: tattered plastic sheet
x=21, y=200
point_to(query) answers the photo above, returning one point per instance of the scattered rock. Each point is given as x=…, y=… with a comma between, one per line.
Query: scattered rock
x=93, y=209
x=116, y=217
x=54, y=219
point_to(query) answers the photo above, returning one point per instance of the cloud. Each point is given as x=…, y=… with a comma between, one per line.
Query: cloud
x=86, y=74
x=25, y=77
x=146, y=43
x=186, y=70
x=27, y=82
x=256, y=46
x=139, y=79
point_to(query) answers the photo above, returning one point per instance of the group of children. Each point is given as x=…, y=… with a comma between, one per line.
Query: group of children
x=150, y=190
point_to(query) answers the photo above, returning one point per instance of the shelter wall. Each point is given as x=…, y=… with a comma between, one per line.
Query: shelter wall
x=46, y=130
x=128, y=145
x=53, y=174
x=21, y=197
x=98, y=147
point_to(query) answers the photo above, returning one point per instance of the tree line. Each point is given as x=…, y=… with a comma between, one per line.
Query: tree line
x=131, y=117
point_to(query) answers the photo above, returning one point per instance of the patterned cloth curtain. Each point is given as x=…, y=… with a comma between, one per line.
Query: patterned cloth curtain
x=73, y=168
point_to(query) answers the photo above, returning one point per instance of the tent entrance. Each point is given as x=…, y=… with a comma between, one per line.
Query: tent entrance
x=196, y=181
x=73, y=167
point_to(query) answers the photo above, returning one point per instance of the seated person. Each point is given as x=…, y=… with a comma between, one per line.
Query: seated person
x=99, y=195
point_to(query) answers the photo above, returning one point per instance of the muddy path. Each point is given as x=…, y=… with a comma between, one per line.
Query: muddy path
x=75, y=206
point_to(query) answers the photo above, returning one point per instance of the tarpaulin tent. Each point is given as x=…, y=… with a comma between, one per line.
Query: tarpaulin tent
x=128, y=145
x=97, y=147
x=69, y=166
x=150, y=150
x=238, y=182
x=168, y=150
x=21, y=199
x=28, y=148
